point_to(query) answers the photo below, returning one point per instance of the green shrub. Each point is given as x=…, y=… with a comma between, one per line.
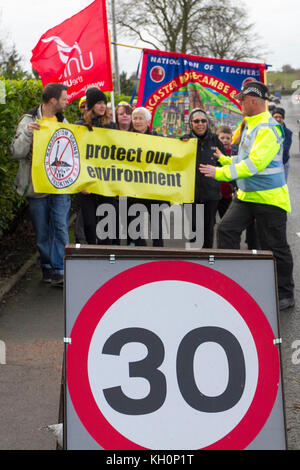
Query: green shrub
x=20, y=97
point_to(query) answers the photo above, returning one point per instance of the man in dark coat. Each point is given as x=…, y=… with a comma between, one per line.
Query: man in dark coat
x=207, y=190
x=279, y=115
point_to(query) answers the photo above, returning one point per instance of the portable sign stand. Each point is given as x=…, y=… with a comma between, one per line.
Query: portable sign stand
x=171, y=349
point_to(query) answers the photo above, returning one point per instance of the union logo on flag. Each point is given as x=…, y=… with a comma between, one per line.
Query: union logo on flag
x=76, y=52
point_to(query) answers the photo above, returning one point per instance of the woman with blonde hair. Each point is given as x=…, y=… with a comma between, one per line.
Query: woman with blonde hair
x=123, y=116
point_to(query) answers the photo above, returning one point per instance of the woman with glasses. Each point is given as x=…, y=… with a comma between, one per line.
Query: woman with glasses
x=207, y=190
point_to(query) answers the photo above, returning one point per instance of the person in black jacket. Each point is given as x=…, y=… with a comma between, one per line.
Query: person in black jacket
x=207, y=190
x=279, y=114
x=97, y=115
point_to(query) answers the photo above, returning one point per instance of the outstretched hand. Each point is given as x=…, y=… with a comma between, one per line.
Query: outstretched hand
x=207, y=170
x=218, y=153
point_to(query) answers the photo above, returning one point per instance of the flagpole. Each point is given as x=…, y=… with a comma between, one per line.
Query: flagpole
x=112, y=95
x=113, y=108
x=127, y=45
x=116, y=63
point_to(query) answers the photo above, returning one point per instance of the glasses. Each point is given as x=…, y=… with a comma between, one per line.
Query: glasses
x=196, y=121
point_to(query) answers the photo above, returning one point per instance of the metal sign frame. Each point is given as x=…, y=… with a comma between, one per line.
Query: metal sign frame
x=218, y=260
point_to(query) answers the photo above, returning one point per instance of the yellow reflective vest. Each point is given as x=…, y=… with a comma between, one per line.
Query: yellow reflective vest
x=257, y=162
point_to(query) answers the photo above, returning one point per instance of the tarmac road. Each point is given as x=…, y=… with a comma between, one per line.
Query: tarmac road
x=32, y=328
x=290, y=319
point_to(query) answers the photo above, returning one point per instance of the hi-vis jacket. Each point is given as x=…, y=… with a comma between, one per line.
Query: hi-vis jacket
x=258, y=168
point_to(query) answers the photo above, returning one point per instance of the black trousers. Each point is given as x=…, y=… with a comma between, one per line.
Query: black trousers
x=158, y=242
x=210, y=211
x=271, y=230
x=88, y=206
x=223, y=205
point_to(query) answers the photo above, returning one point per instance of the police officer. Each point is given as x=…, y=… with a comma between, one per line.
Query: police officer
x=262, y=190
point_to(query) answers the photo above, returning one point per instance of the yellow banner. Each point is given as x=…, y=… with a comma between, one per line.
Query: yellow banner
x=69, y=158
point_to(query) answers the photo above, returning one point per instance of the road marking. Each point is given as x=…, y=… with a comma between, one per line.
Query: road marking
x=2, y=353
x=298, y=233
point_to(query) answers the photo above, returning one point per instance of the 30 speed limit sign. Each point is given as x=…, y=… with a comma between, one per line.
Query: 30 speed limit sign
x=171, y=354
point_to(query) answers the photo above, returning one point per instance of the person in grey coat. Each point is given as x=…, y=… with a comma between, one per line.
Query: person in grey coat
x=49, y=212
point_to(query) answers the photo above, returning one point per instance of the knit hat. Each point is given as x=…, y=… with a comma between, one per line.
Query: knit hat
x=199, y=111
x=93, y=95
x=280, y=111
x=81, y=101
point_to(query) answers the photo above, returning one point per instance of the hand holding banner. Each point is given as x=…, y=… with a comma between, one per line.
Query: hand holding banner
x=68, y=159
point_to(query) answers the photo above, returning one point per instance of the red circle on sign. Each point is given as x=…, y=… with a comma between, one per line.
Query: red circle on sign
x=49, y=163
x=77, y=353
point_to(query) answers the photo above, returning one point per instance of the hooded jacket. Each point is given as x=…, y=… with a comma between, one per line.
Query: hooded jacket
x=206, y=189
x=21, y=149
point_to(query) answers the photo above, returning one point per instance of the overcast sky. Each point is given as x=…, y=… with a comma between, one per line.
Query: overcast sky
x=276, y=21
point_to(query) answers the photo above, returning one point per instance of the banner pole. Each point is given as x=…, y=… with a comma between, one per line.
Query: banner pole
x=112, y=95
x=116, y=63
x=127, y=45
x=113, y=108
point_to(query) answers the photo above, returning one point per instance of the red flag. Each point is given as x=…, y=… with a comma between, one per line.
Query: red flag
x=76, y=52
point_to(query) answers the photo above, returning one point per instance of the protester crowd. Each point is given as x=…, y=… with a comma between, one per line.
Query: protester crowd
x=240, y=175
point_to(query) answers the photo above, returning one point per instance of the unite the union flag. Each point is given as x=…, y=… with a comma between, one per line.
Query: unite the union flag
x=76, y=52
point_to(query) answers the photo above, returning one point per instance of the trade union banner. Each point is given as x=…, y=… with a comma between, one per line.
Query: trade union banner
x=172, y=84
x=68, y=159
x=76, y=52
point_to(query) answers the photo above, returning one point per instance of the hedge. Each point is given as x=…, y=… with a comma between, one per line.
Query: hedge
x=20, y=97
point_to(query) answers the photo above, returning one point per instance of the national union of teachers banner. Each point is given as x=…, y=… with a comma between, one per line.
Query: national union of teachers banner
x=172, y=84
x=68, y=159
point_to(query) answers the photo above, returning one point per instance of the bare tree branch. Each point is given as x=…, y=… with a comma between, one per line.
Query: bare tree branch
x=216, y=28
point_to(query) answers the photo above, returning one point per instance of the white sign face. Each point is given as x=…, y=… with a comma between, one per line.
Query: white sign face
x=171, y=310
x=172, y=355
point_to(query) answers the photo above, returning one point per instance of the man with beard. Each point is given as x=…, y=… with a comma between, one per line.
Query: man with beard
x=49, y=212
